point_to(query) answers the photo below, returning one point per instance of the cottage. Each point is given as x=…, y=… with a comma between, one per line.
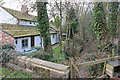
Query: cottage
x=18, y=28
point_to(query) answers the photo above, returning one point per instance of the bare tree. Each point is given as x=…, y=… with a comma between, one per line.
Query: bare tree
x=57, y=10
x=1, y=2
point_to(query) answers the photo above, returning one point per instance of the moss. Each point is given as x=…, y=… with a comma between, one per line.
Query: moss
x=20, y=15
x=19, y=31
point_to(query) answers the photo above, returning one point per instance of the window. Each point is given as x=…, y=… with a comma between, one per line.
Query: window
x=53, y=35
x=24, y=43
x=30, y=22
x=16, y=41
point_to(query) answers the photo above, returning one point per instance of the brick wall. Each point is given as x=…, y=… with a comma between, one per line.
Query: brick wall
x=6, y=39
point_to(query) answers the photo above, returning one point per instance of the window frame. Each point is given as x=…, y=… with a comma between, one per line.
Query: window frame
x=53, y=35
x=24, y=43
x=16, y=41
x=30, y=22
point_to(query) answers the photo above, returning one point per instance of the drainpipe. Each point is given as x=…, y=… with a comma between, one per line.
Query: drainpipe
x=41, y=41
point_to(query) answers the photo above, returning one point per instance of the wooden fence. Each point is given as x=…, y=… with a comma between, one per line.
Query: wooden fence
x=52, y=70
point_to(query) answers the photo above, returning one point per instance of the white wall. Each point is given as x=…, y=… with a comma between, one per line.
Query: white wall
x=18, y=46
x=53, y=40
x=57, y=38
x=27, y=23
x=38, y=41
x=5, y=17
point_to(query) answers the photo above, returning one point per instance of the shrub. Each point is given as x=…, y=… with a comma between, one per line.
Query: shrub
x=96, y=69
x=6, y=73
x=7, y=53
x=7, y=47
x=6, y=57
x=38, y=48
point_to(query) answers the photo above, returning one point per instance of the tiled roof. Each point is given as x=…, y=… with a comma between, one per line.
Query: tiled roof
x=20, y=31
x=20, y=15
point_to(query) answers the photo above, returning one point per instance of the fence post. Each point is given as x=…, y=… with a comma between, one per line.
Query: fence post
x=104, y=68
x=113, y=53
x=71, y=72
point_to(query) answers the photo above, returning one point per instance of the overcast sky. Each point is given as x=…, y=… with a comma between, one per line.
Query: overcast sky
x=13, y=4
x=16, y=4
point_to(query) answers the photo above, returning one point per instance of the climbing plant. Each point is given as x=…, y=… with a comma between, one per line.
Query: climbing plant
x=57, y=21
x=112, y=18
x=43, y=25
x=102, y=29
x=99, y=19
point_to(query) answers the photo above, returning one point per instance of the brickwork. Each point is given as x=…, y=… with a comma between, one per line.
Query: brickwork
x=6, y=39
x=24, y=9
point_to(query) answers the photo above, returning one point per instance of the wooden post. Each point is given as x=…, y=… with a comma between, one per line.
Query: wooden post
x=113, y=52
x=74, y=68
x=104, y=68
x=98, y=61
x=71, y=69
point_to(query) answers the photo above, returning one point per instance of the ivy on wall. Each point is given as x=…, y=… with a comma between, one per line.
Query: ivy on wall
x=101, y=28
x=43, y=25
x=99, y=20
x=112, y=18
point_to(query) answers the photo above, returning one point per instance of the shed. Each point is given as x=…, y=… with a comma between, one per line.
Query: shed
x=113, y=68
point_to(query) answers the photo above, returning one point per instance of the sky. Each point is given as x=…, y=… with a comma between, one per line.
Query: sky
x=16, y=4
x=13, y=4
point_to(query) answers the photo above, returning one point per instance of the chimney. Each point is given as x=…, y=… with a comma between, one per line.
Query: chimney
x=24, y=9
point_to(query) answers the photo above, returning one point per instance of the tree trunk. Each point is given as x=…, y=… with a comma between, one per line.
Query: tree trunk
x=43, y=26
x=60, y=33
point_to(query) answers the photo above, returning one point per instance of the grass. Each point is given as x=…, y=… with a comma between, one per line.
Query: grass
x=6, y=73
x=58, y=55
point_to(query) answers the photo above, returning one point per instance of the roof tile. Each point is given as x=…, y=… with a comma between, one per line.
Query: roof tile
x=20, y=31
x=20, y=15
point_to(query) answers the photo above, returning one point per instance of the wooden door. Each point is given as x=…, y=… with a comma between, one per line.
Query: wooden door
x=32, y=41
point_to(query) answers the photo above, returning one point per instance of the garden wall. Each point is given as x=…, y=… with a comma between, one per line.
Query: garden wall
x=39, y=67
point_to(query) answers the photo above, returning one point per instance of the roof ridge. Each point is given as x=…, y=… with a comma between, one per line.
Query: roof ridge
x=9, y=8
x=19, y=15
x=17, y=11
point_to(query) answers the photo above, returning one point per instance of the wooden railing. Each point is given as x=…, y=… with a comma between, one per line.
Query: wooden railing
x=98, y=61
